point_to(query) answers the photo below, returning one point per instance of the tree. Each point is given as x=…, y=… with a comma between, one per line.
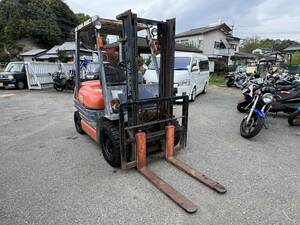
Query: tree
x=295, y=59
x=81, y=17
x=4, y=57
x=46, y=22
x=249, y=44
x=62, y=56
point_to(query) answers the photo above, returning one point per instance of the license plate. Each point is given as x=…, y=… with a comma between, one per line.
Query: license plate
x=1, y=84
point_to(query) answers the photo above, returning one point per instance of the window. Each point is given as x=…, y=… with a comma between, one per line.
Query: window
x=219, y=45
x=194, y=63
x=203, y=65
x=183, y=42
x=14, y=67
x=180, y=63
x=233, y=46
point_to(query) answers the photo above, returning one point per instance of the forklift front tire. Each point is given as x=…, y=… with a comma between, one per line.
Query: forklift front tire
x=110, y=144
x=77, y=122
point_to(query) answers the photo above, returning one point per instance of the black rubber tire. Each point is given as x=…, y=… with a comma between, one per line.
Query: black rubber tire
x=205, y=89
x=193, y=95
x=58, y=88
x=110, y=144
x=77, y=122
x=229, y=83
x=259, y=123
x=241, y=106
x=20, y=84
x=292, y=117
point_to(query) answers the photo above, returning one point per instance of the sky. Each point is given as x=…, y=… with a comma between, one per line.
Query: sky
x=250, y=18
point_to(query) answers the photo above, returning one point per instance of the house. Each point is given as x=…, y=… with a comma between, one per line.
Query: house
x=216, y=41
x=290, y=50
x=68, y=49
x=31, y=55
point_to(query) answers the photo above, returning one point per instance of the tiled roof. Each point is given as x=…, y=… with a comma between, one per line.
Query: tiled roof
x=203, y=30
x=33, y=52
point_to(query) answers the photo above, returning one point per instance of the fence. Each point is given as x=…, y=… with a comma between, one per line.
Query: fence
x=38, y=74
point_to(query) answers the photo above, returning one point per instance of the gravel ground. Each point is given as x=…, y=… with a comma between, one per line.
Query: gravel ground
x=49, y=174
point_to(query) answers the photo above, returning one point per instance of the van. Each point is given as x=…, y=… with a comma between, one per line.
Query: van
x=191, y=74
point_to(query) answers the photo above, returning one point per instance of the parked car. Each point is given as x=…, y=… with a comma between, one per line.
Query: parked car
x=14, y=75
x=191, y=74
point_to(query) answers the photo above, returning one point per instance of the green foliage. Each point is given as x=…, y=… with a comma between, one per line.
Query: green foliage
x=62, y=56
x=250, y=44
x=216, y=79
x=221, y=66
x=296, y=59
x=81, y=17
x=46, y=22
x=4, y=57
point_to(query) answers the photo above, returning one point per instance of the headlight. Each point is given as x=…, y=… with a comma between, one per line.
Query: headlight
x=10, y=77
x=184, y=83
x=267, y=98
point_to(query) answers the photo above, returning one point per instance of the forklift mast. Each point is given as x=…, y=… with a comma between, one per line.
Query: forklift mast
x=166, y=40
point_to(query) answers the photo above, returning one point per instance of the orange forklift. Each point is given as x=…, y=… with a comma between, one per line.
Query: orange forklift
x=128, y=118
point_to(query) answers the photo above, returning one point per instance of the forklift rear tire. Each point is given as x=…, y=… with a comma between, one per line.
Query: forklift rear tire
x=77, y=122
x=110, y=144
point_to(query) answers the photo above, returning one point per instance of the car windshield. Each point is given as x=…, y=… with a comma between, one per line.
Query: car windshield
x=14, y=67
x=181, y=63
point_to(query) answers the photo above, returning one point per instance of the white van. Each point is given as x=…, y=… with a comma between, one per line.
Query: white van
x=191, y=74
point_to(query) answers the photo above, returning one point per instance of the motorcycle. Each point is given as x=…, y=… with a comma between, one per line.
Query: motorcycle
x=266, y=99
x=62, y=81
x=229, y=79
x=252, y=123
x=283, y=93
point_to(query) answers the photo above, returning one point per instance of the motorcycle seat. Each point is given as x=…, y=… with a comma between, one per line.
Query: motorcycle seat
x=295, y=94
x=288, y=87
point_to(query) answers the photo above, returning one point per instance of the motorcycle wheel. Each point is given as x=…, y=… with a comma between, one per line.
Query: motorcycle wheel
x=250, y=130
x=58, y=88
x=229, y=82
x=294, y=118
x=241, y=106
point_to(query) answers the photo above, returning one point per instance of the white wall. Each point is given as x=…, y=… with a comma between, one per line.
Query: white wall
x=193, y=40
x=27, y=58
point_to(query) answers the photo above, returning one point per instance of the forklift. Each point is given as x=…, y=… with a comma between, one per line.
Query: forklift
x=130, y=119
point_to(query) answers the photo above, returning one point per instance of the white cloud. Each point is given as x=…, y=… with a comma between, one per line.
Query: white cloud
x=263, y=18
